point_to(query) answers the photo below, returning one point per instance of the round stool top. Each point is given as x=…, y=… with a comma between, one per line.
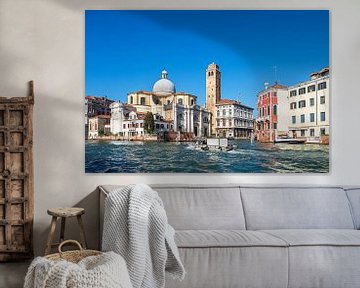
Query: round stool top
x=66, y=211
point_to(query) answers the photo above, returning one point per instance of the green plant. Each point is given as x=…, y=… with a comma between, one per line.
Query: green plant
x=149, y=123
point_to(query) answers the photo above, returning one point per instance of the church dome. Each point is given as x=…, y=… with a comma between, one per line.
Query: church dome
x=164, y=86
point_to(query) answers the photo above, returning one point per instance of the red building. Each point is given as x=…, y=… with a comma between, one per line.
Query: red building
x=267, y=112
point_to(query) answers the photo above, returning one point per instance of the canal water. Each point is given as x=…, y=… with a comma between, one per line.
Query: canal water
x=169, y=157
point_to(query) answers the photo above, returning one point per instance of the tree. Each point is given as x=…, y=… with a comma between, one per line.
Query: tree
x=149, y=123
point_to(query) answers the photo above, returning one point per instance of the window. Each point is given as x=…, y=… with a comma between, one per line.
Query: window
x=322, y=116
x=275, y=125
x=218, y=113
x=302, y=91
x=131, y=99
x=302, y=104
x=322, y=131
x=292, y=93
x=312, y=132
x=157, y=126
x=268, y=110
x=142, y=100
x=275, y=109
x=322, y=86
x=311, y=88
x=312, y=117
x=312, y=101
x=293, y=105
x=180, y=101
x=192, y=101
x=224, y=112
x=322, y=99
x=302, y=118
x=293, y=119
x=302, y=133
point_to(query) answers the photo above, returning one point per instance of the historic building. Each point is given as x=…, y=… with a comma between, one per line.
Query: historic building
x=178, y=109
x=213, y=92
x=298, y=111
x=95, y=106
x=270, y=117
x=233, y=119
x=98, y=126
x=308, y=106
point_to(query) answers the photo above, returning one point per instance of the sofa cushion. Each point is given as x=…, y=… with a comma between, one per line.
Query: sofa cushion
x=220, y=267
x=324, y=266
x=296, y=208
x=226, y=238
x=315, y=237
x=204, y=208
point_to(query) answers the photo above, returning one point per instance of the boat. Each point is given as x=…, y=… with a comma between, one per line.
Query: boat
x=214, y=144
x=289, y=140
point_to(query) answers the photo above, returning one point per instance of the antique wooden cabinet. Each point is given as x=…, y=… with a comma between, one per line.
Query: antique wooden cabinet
x=16, y=177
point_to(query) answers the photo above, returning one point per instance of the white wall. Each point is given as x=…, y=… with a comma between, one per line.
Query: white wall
x=43, y=40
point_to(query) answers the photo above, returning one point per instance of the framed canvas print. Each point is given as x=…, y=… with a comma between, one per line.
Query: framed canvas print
x=241, y=91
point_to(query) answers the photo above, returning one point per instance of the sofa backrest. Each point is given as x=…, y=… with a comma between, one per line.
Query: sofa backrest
x=296, y=208
x=234, y=207
x=203, y=208
x=354, y=198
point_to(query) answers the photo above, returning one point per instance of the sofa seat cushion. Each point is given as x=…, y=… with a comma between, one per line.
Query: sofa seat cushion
x=317, y=237
x=225, y=238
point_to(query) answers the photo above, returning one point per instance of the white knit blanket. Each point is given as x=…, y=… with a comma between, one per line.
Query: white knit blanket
x=104, y=271
x=136, y=227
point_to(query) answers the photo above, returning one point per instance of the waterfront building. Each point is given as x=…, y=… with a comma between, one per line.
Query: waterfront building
x=298, y=111
x=271, y=117
x=133, y=125
x=309, y=109
x=95, y=106
x=98, y=126
x=119, y=113
x=233, y=119
x=180, y=108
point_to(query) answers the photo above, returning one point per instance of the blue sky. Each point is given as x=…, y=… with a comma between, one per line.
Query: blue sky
x=125, y=51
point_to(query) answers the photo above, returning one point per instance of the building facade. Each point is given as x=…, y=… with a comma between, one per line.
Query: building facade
x=98, y=126
x=309, y=109
x=233, y=119
x=298, y=111
x=178, y=108
x=271, y=118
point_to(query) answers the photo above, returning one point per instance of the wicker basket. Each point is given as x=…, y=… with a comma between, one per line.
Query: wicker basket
x=72, y=256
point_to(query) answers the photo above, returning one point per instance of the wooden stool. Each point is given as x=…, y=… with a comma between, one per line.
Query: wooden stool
x=64, y=213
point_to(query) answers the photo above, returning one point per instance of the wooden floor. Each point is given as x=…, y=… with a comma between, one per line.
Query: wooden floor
x=12, y=274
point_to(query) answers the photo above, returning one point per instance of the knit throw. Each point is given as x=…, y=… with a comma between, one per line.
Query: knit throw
x=103, y=271
x=136, y=227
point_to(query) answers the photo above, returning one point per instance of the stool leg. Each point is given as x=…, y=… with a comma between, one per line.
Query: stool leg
x=82, y=232
x=51, y=235
x=62, y=231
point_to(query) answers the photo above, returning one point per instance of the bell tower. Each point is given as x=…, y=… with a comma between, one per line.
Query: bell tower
x=213, y=92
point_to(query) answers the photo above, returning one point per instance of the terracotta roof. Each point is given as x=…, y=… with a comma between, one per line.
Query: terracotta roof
x=227, y=102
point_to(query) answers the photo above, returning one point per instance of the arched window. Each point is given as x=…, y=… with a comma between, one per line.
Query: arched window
x=131, y=100
x=142, y=100
x=180, y=101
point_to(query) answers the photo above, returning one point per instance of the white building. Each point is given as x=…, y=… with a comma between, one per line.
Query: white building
x=233, y=119
x=308, y=106
x=133, y=124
